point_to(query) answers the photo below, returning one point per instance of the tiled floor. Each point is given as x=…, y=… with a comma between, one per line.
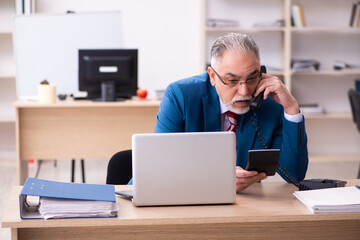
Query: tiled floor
x=95, y=171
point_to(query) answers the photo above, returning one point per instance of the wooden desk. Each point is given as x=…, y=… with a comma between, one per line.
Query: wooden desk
x=263, y=211
x=78, y=129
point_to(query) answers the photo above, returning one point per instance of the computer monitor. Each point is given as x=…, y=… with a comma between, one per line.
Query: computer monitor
x=108, y=74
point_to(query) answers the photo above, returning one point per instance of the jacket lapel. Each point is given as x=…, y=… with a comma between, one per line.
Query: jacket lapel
x=211, y=109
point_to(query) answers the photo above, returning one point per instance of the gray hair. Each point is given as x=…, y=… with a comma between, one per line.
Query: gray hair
x=232, y=42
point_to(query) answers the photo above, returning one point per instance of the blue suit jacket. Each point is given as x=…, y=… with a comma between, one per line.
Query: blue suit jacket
x=192, y=105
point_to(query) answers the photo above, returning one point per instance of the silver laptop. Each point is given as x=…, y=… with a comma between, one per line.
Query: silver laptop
x=184, y=168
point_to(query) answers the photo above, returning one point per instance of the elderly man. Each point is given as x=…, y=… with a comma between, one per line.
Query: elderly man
x=219, y=100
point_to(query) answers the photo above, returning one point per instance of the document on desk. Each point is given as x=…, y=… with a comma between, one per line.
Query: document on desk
x=331, y=200
x=50, y=199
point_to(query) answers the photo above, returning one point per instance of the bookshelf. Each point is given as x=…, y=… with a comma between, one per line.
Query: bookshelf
x=7, y=81
x=330, y=38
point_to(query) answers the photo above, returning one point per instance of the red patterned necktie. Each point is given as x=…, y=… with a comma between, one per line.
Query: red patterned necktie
x=233, y=119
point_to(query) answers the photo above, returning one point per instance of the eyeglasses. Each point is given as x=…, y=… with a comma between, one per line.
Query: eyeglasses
x=233, y=82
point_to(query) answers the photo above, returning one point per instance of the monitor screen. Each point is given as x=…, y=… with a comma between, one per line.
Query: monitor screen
x=108, y=74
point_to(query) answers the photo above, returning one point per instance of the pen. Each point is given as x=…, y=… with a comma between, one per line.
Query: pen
x=357, y=186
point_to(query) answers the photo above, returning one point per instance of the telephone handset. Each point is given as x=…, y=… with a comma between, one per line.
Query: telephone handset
x=256, y=102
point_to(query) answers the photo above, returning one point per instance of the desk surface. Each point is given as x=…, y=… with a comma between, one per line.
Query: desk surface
x=263, y=205
x=88, y=103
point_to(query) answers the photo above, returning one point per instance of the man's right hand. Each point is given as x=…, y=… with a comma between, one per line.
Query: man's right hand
x=246, y=178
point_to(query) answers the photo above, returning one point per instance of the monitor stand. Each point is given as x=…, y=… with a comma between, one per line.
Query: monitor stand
x=108, y=91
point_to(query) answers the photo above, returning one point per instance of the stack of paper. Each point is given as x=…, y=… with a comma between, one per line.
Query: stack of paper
x=331, y=200
x=50, y=199
x=217, y=22
x=67, y=208
x=305, y=65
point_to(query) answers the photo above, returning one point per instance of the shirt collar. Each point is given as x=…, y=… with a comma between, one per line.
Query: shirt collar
x=223, y=107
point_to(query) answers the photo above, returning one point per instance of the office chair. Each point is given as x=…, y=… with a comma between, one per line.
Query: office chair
x=354, y=98
x=119, y=169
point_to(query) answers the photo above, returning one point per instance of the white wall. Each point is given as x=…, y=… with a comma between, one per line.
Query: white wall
x=46, y=47
x=166, y=32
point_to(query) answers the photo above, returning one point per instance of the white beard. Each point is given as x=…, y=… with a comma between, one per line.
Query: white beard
x=230, y=105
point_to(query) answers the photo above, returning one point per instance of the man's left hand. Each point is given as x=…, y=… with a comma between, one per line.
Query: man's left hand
x=246, y=178
x=277, y=90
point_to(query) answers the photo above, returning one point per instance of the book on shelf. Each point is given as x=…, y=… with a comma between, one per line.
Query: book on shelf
x=19, y=7
x=218, y=22
x=29, y=6
x=25, y=7
x=312, y=108
x=302, y=15
x=51, y=199
x=297, y=16
x=355, y=15
x=331, y=200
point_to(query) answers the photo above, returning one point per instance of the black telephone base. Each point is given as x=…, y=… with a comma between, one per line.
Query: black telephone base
x=322, y=183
